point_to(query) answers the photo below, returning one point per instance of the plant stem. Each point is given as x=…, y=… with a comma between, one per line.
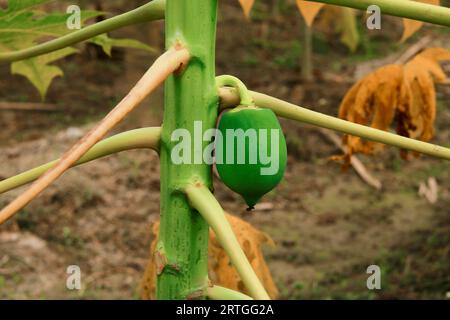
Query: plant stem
x=190, y=96
x=401, y=8
x=134, y=139
x=167, y=63
x=153, y=10
x=306, y=59
x=288, y=110
x=201, y=198
x=221, y=293
x=227, y=80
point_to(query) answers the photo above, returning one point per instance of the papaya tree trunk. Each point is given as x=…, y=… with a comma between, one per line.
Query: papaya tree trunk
x=191, y=95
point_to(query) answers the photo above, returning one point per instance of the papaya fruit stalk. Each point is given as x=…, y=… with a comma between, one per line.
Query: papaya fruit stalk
x=229, y=98
x=231, y=81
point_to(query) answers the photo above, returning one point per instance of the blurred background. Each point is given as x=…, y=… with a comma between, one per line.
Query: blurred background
x=328, y=225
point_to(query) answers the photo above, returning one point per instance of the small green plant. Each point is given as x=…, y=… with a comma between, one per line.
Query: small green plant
x=192, y=94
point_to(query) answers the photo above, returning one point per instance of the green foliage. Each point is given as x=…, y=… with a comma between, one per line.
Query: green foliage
x=22, y=26
x=38, y=71
x=108, y=43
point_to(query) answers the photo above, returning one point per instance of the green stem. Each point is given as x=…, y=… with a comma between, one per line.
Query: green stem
x=153, y=10
x=291, y=111
x=307, y=61
x=133, y=139
x=288, y=110
x=227, y=80
x=201, y=198
x=401, y=8
x=189, y=96
x=221, y=293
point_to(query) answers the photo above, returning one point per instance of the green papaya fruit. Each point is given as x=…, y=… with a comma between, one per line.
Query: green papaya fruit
x=251, y=152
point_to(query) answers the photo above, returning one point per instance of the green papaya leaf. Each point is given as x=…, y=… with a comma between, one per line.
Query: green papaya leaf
x=38, y=71
x=15, y=6
x=22, y=26
x=107, y=43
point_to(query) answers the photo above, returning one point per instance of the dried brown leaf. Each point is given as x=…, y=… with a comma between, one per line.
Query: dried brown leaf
x=221, y=271
x=247, y=6
x=412, y=26
x=402, y=92
x=417, y=110
x=309, y=10
x=372, y=101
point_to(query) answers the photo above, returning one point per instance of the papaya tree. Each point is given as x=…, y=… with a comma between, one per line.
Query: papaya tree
x=194, y=95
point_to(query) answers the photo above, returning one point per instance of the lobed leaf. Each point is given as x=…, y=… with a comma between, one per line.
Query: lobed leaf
x=405, y=93
x=417, y=108
x=23, y=26
x=38, y=71
x=372, y=101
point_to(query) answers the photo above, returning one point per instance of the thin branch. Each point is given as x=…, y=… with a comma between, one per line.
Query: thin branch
x=221, y=293
x=413, y=50
x=401, y=8
x=134, y=139
x=153, y=10
x=354, y=160
x=288, y=110
x=201, y=199
x=164, y=66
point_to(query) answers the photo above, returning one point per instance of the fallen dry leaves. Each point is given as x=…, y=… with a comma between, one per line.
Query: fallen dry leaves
x=221, y=271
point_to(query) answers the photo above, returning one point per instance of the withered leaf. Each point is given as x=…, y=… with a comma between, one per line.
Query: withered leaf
x=372, y=101
x=402, y=92
x=412, y=26
x=309, y=10
x=221, y=271
x=417, y=107
x=247, y=6
x=338, y=20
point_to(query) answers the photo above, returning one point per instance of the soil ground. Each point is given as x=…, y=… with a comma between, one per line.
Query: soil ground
x=329, y=226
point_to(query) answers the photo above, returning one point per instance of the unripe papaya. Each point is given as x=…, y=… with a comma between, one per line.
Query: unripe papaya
x=251, y=152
